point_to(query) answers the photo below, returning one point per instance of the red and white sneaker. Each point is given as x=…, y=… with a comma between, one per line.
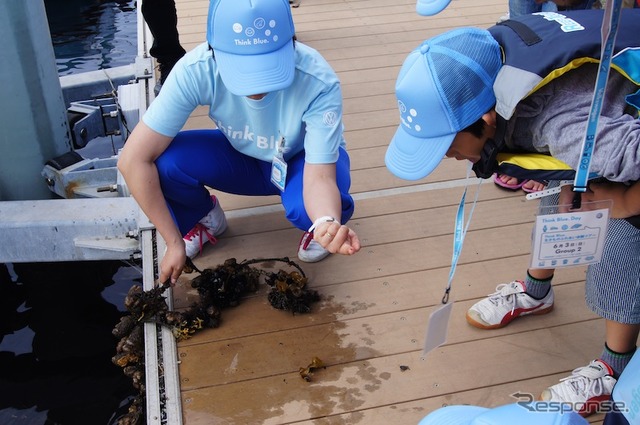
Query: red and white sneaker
x=507, y=303
x=585, y=389
x=211, y=225
x=309, y=250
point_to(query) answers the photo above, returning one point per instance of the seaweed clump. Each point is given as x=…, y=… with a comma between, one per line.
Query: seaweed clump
x=218, y=288
x=289, y=292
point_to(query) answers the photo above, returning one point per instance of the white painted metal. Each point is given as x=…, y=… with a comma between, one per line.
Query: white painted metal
x=169, y=410
x=69, y=230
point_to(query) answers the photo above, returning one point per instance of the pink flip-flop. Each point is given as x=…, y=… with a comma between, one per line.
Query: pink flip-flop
x=496, y=180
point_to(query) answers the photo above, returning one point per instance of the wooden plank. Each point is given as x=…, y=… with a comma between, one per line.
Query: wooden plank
x=378, y=295
x=374, y=335
x=412, y=412
x=364, y=384
x=420, y=226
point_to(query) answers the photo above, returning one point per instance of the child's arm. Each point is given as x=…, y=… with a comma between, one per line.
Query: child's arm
x=626, y=198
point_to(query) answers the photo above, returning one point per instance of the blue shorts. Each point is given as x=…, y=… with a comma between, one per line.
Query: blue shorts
x=199, y=158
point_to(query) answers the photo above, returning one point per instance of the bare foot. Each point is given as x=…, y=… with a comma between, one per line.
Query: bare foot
x=533, y=186
x=508, y=179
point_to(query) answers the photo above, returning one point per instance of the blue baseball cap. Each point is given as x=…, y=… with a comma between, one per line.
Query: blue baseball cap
x=444, y=85
x=252, y=41
x=431, y=7
x=509, y=414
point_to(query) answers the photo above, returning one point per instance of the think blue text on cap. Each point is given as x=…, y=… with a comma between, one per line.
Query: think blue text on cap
x=536, y=413
x=444, y=85
x=252, y=41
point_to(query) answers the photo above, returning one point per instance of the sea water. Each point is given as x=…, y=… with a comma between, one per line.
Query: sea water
x=89, y=35
x=56, y=343
x=56, y=318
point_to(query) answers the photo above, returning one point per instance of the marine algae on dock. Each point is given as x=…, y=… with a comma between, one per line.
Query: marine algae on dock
x=218, y=288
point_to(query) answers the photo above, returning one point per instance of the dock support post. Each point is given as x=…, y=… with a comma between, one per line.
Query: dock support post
x=33, y=116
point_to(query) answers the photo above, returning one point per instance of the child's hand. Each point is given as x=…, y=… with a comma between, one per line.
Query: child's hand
x=337, y=239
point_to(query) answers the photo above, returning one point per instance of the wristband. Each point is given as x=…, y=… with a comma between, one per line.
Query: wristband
x=323, y=219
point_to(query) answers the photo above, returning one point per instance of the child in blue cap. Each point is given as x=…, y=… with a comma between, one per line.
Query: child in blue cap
x=277, y=108
x=471, y=93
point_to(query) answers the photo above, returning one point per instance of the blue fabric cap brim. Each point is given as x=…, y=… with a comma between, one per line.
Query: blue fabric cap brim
x=453, y=415
x=431, y=7
x=246, y=75
x=412, y=158
x=509, y=414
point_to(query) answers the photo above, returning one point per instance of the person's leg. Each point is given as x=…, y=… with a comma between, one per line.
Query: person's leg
x=620, y=345
x=532, y=295
x=548, y=6
x=162, y=19
x=292, y=196
x=196, y=158
x=578, y=5
x=522, y=7
x=612, y=292
x=622, y=337
x=538, y=282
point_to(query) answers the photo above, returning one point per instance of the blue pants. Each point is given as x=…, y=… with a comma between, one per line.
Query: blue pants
x=525, y=7
x=199, y=158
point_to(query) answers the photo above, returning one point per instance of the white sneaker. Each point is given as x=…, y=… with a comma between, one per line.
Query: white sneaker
x=309, y=250
x=585, y=389
x=211, y=225
x=508, y=302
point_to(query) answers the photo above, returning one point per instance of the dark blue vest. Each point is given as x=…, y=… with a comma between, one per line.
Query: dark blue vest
x=540, y=47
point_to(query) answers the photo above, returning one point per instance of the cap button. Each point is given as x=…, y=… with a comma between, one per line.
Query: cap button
x=424, y=48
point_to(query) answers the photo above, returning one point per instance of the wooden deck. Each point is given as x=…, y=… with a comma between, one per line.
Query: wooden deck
x=375, y=305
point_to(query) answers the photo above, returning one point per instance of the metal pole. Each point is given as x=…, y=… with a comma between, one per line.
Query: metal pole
x=33, y=119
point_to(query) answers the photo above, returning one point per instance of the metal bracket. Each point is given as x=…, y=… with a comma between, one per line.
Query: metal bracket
x=88, y=178
x=89, y=119
x=143, y=68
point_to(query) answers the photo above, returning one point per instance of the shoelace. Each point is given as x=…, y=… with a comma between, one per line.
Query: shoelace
x=504, y=292
x=307, y=237
x=197, y=231
x=583, y=384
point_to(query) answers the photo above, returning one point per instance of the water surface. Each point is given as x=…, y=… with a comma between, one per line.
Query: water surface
x=89, y=35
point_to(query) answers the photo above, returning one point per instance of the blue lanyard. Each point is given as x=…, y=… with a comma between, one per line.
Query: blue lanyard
x=460, y=230
x=608, y=32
